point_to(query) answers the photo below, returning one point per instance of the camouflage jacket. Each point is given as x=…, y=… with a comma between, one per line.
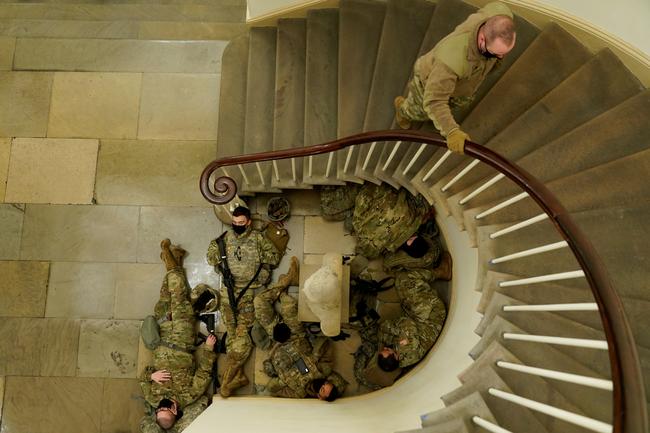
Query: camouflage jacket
x=385, y=218
x=245, y=253
x=148, y=423
x=454, y=68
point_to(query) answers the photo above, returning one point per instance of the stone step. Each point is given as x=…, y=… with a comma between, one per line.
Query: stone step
x=508, y=415
x=614, y=184
x=575, y=101
x=321, y=87
x=529, y=386
x=123, y=12
x=289, y=109
x=593, y=359
x=404, y=27
x=464, y=409
x=232, y=103
x=536, y=72
x=360, y=25
x=452, y=426
x=118, y=55
x=260, y=103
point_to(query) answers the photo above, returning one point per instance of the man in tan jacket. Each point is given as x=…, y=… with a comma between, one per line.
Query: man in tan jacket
x=448, y=76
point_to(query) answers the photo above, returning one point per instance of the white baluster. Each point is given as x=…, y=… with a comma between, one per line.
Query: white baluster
x=460, y=175
x=543, y=278
x=482, y=188
x=531, y=252
x=521, y=225
x=435, y=167
x=503, y=205
x=392, y=155
x=593, y=382
x=561, y=341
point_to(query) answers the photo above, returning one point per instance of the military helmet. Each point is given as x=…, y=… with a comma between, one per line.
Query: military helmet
x=204, y=299
x=278, y=209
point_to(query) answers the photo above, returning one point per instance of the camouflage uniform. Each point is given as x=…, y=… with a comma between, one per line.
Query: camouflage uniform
x=385, y=218
x=189, y=381
x=337, y=203
x=364, y=354
x=286, y=380
x=245, y=253
x=424, y=311
x=448, y=76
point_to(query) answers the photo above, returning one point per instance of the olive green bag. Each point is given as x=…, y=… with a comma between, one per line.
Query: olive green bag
x=150, y=332
x=278, y=235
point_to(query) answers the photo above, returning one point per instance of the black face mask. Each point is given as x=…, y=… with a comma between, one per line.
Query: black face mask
x=165, y=402
x=239, y=229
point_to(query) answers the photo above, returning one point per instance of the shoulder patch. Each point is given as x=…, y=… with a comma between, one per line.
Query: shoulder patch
x=452, y=51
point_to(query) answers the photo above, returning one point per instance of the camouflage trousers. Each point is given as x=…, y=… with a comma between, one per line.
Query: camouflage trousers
x=238, y=342
x=413, y=106
x=148, y=423
x=267, y=316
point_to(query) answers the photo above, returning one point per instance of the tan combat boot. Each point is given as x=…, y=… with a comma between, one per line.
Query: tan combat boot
x=226, y=380
x=178, y=253
x=443, y=271
x=402, y=121
x=166, y=255
x=291, y=278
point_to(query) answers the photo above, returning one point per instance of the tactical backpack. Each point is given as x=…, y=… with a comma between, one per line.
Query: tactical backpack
x=150, y=332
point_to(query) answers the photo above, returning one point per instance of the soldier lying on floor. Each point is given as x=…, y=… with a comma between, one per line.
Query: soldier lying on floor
x=297, y=369
x=174, y=387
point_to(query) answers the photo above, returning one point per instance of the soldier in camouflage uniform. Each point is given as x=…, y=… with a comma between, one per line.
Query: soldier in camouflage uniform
x=248, y=254
x=448, y=76
x=297, y=370
x=337, y=203
x=385, y=218
x=176, y=384
x=408, y=338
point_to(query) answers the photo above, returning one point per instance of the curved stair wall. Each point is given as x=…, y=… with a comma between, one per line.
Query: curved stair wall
x=576, y=120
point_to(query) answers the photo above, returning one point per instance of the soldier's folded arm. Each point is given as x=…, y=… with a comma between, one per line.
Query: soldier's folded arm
x=439, y=87
x=269, y=254
x=145, y=385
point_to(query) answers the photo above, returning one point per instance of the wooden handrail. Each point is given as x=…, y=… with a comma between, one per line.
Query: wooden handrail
x=629, y=410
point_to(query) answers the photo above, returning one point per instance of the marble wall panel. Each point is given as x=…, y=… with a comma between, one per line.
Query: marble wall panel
x=179, y=107
x=122, y=406
x=94, y=105
x=52, y=405
x=108, y=348
x=20, y=355
x=7, y=46
x=118, y=55
x=158, y=173
x=55, y=171
x=5, y=150
x=190, y=227
x=69, y=29
x=80, y=233
x=23, y=288
x=24, y=103
x=59, y=355
x=81, y=290
x=327, y=237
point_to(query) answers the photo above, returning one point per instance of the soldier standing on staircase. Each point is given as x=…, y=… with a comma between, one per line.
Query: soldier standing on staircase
x=244, y=257
x=448, y=76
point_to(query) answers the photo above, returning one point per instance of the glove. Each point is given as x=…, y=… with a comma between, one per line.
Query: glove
x=456, y=140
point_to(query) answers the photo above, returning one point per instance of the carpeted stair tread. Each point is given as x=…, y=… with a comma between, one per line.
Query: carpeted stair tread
x=321, y=92
x=405, y=25
x=451, y=426
x=232, y=103
x=465, y=409
x=260, y=102
x=360, y=26
x=289, y=108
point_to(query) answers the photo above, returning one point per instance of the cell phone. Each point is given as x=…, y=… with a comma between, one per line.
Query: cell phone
x=301, y=366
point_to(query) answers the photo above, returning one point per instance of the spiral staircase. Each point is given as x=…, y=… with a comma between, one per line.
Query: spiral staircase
x=576, y=120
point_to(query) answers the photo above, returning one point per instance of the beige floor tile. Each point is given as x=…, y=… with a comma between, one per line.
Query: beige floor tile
x=58, y=171
x=11, y=221
x=24, y=103
x=302, y=201
x=312, y=259
x=94, y=105
x=19, y=354
x=5, y=150
x=190, y=227
x=162, y=173
x=344, y=359
x=118, y=55
x=7, y=46
x=108, y=348
x=189, y=30
x=2, y=394
x=81, y=290
x=59, y=355
x=327, y=237
x=296, y=227
x=260, y=377
x=122, y=408
x=23, y=288
x=81, y=233
x=52, y=405
x=69, y=29
x=179, y=107
x=137, y=289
